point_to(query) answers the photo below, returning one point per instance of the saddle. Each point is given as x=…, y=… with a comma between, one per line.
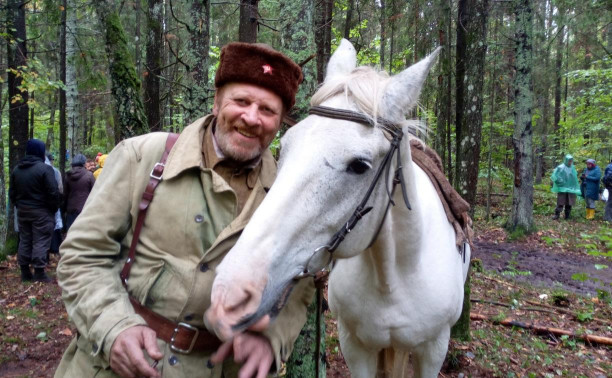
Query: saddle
x=456, y=208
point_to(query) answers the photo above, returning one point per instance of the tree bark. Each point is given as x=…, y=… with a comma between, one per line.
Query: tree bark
x=62, y=92
x=197, y=58
x=558, y=77
x=247, y=29
x=125, y=82
x=443, y=98
x=18, y=99
x=73, y=121
x=323, y=18
x=154, y=64
x=3, y=221
x=521, y=217
x=383, y=33
x=348, y=24
x=471, y=52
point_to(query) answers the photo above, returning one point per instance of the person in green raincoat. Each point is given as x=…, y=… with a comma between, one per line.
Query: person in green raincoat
x=565, y=184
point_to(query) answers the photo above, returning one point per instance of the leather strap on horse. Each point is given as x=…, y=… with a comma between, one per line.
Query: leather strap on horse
x=182, y=337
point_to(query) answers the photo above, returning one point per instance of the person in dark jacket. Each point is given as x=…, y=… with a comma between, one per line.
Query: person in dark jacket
x=34, y=191
x=591, y=177
x=607, y=181
x=79, y=182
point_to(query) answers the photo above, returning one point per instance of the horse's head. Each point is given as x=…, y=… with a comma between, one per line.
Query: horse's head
x=326, y=167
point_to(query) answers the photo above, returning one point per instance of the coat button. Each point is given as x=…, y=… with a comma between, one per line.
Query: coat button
x=173, y=360
x=204, y=267
x=94, y=348
x=189, y=317
x=199, y=218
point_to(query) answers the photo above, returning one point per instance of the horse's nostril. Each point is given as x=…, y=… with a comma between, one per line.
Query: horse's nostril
x=238, y=300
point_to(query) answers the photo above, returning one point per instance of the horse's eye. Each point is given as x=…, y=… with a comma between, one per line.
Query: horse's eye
x=358, y=166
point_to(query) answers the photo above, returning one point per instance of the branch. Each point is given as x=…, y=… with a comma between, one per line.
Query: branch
x=187, y=66
x=541, y=330
x=307, y=60
x=269, y=27
x=177, y=20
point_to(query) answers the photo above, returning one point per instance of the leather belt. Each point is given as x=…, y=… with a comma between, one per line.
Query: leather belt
x=182, y=337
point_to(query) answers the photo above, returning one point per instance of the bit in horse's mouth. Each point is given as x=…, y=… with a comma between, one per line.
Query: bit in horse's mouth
x=263, y=309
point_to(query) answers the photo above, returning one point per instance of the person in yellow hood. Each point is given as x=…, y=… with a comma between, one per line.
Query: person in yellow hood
x=101, y=160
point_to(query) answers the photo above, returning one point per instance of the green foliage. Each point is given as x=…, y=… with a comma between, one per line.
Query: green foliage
x=10, y=248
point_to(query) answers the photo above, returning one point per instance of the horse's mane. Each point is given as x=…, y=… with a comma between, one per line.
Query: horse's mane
x=364, y=87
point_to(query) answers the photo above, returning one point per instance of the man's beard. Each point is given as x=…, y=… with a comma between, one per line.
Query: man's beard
x=236, y=153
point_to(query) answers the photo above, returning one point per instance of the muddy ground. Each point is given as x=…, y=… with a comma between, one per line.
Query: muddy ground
x=547, y=268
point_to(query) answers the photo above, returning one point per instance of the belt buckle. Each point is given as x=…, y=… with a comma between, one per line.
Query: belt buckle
x=193, y=340
x=153, y=175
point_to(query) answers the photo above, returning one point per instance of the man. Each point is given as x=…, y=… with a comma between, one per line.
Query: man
x=79, y=183
x=215, y=176
x=565, y=184
x=607, y=181
x=591, y=177
x=35, y=193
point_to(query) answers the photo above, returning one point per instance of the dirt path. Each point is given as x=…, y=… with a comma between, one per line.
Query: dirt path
x=544, y=268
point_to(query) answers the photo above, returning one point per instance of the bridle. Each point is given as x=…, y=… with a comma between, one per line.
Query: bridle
x=396, y=134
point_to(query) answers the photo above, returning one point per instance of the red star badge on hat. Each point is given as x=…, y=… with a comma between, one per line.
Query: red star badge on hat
x=267, y=69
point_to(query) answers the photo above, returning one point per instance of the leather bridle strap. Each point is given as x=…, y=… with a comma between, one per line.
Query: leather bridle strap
x=385, y=166
x=147, y=197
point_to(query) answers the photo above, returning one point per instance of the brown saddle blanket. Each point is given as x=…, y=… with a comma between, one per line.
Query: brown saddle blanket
x=456, y=208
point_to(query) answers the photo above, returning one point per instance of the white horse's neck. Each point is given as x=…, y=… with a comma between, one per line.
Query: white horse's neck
x=391, y=257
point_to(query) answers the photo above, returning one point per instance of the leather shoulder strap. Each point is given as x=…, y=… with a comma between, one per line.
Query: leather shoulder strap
x=147, y=197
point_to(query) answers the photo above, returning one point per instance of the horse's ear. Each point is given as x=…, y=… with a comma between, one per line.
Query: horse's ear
x=342, y=61
x=403, y=90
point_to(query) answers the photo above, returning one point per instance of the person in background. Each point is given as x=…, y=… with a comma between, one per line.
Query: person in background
x=565, y=184
x=607, y=182
x=35, y=193
x=79, y=182
x=101, y=159
x=90, y=165
x=591, y=176
x=56, y=240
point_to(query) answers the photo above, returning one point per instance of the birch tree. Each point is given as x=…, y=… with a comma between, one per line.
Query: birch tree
x=471, y=52
x=521, y=217
x=73, y=123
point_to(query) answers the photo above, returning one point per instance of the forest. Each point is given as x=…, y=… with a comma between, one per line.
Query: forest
x=518, y=85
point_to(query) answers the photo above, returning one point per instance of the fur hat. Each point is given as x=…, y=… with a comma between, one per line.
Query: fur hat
x=261, y=65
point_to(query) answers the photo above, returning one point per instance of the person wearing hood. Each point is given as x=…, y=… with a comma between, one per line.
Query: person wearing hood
x=565, y=184
x=78, y=185
x=101, y=159
x=35, y=193
x=591, y=177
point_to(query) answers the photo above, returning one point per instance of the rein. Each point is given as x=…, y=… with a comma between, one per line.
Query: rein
x=396, y=134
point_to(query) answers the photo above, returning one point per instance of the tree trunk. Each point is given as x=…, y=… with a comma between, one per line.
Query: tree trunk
x=443, y=99
x=383, y=33
x=323, y=17
x=558, y=77
x=521, y=217
x=154, y=64
x=298, y=44
x=18, y=100
x=471, y=52
x=62, y=92
x=50, y=140
x=247, y=29
x=125, y=82
x=197, y=57
x=73, y=122
x=3, y=221
x=348, y=24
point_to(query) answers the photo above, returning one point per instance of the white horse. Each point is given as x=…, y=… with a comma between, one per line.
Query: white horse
x=398, y=280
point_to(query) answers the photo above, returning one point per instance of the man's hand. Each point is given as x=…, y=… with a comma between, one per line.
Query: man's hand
x=126, y=357
x=250, y=349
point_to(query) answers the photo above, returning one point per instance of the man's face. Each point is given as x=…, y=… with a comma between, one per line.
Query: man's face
x=590, y=165
x=569, y=162
x=248, y=118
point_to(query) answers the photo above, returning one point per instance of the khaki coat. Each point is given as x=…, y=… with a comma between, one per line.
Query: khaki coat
x=190, y=226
